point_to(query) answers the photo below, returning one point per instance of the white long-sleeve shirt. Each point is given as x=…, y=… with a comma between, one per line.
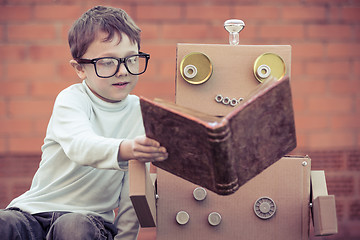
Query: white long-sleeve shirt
x=79, y=169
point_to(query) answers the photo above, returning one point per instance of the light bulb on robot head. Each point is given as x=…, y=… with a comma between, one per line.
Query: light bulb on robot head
x=234, y=26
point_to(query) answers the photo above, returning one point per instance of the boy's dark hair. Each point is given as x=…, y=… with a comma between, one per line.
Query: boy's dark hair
x=106, y=19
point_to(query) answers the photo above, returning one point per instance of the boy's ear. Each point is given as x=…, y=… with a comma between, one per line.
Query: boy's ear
x=78, y=69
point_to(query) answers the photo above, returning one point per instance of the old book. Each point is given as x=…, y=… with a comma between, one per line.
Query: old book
x=223, y=153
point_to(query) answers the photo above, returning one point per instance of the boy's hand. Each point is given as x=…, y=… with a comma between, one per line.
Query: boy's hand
x=142, y=149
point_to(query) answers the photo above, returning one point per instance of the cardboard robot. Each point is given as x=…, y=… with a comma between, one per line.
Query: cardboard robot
x=274, y=196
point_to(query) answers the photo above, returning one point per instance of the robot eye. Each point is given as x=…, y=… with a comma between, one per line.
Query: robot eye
x=196, y=68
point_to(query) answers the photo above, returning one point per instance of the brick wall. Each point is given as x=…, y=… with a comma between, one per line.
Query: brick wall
x=324, y=35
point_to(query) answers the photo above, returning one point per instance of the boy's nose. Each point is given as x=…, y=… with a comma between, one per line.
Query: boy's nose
x=122, y=70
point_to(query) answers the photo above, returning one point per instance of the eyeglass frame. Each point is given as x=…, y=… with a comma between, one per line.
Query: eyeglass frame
x=120, y=61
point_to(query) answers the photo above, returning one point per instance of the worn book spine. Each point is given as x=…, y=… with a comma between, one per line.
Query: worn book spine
x=226, y=179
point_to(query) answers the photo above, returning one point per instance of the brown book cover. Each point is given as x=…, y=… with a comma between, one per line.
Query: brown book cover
x=223, y=153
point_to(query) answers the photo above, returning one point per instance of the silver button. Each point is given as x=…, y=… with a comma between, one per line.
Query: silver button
x=199, y=193
x=214, y=219
x=182, y=217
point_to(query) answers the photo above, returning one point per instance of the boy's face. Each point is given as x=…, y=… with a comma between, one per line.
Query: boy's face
x=116, y=88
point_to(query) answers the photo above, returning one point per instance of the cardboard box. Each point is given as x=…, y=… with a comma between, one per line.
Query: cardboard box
x=232, y=74
x=286, y=182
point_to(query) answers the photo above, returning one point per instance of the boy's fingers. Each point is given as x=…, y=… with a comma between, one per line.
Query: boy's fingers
x=148, y=141
x=153, y=157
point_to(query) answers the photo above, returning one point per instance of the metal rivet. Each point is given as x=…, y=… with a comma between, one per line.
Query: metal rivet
x=182, y=217
x=199, y=193
x=304, y=163
x=214, y=219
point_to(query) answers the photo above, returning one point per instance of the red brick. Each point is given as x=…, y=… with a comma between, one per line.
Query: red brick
x=328, y=68
x=57, y=12
x=19, y=165
x=304, y=87
x=168, y=69
x=335, y=14
x=30, y=108
x=324, y=2
x=156, y=89
x=50, y=52
x=356, y=32
x=340, y=210
x=3, y=107
x=308, y=50
x=282, y=31
x=351, y=13
x=185, y=31
x=12, y=52
x=300, y=140
x=207, y=12
x=345, y=122
x=159, y=51
x=321, y=104
x=344, y=86
x=47, y=88
x=256, y=12
x=330, y=31
x=64, y=32
x=15, y=127
x=343, y=50
x=355, y=210
x=3, y=144
x=328, y=160
x=331, y=139
x=13, y=89
x=4, y=193
x=356, y=67
x=40, y=126
x=149, y=31
x=15, y=13
x=299, y=104
x=25, y=144
x=67, y=73
x=340, y=185
x=297, y=69
x=311, y=122
x=158, y=12
x=303, y=13
x=20, y=186
x=353, y=161
x=31, y=31
x=27, y=71
x=2, y=33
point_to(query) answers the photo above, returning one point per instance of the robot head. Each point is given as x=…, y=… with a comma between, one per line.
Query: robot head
x=215, y=78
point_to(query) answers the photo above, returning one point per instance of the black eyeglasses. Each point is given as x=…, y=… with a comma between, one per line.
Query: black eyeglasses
x=107, y=67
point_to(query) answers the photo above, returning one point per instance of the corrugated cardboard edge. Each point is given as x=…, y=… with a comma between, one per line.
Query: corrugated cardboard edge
x=142, y=193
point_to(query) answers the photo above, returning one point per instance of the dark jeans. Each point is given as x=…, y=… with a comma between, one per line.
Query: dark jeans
x=17, y=224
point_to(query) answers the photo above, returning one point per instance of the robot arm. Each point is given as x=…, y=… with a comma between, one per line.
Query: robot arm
x=323, y=206
x=142, y=193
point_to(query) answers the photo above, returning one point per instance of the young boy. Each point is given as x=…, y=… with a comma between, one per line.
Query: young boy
x=95, y=128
